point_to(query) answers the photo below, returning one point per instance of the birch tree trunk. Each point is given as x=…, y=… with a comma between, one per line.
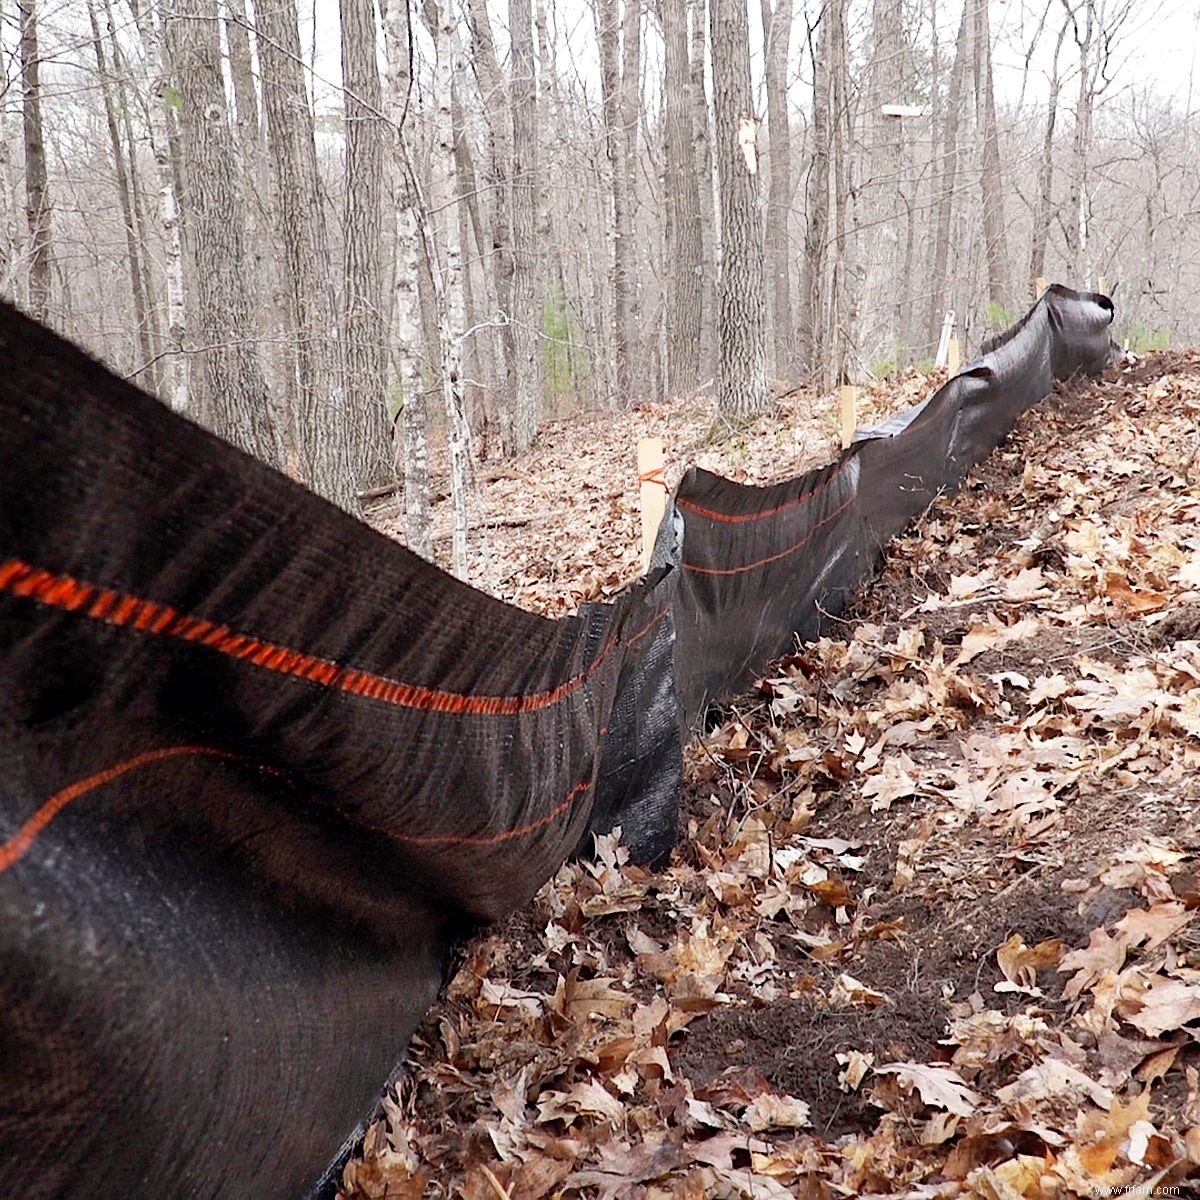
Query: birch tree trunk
x=37, y=187
x=684, y=231
x=527, y=274
x=179, y=376
x=778, y=34
x=397, y=35
x=450, y=293
x=313, y=351
x=741, y=304
x=367, y=444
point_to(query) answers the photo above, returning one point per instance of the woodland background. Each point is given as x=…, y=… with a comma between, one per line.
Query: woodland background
x=328, y=233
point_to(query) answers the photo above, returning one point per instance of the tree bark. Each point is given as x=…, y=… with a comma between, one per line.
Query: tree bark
x=527, y=274
x=233, y=397
x=702, y=152
x=125, y=200
x=778, y=34
x=37, y=187
x=1044, y=204
x=684, y=228
x=991, y=181
x=313, y=350
x=741, y=305
x=178, y=384
x=367, y=439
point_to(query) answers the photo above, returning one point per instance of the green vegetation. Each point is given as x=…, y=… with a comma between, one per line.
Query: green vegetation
x=564, y=361
x=1000, y=317
x=1141, y=338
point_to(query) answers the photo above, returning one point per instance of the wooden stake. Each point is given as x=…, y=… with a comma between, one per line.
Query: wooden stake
x=953, y=361
x=1102, y=286
x=1040, y=286
x=652, y=476
x=848, y=407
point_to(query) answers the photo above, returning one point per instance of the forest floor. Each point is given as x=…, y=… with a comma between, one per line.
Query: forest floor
x=931, y=929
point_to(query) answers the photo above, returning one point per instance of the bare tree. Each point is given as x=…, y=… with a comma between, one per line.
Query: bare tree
x=233, y=398
x=777, y=27
x=991, y=183
x=684, y=227
x=37, y=187
x=1044, y=200
x=362, y=244
x=527, y=273
x=741, y=304
x=318, y=417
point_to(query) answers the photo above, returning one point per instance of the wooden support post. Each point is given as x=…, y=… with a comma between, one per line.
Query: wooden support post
x=1039, y=285
x=1102, y=286
x=848, y=409
x=953, y=360
x=652, y=476
x=944, y=341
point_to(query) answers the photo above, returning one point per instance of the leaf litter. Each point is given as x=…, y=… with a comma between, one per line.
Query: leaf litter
x=931, y=929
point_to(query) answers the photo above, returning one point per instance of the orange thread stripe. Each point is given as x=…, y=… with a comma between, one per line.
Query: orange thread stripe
x=21, y=842
x=114, y=608
x=763, y=562
x=17, y=846
x=657, y=475
x=731, y=519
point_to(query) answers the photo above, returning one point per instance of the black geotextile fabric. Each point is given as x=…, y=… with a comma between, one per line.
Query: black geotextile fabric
x=259, y=768
x=762, y=565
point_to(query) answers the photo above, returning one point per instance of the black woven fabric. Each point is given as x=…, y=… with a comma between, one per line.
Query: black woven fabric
x=261, y=767
x=763, y=565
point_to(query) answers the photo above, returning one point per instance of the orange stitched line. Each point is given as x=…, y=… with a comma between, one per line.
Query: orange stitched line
x=493, y=839
x=762, y=562
x=63, y=592
x=730, y=519
x=17, y=846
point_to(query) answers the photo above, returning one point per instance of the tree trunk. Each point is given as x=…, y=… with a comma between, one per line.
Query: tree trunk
x=125, y=200
x=949, y=176
x=367, y=442
x=233, y=397
x=702, y=154
x=178, y=383
x=631, y=113
x=1044, y=204
x=608, y=29
x=37, y=188
x=813, y=291
x=991, y=181
x=397, y=35
x=527, y=274
x=778, y=35
x=497, y=160
x=741, y=305
x=315, y=368
x=684, y=231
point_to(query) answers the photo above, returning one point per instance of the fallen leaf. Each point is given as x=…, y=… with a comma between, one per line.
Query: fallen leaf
x=939, y=1087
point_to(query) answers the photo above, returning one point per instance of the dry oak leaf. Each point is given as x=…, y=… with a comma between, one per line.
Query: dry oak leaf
x=586, y=1098
x=1165, y=1004
x=939, y=1087
x=1021, y=963
x=1052, y=1077
x=1154, y=925
x=580, y=999
x=1101, y=955
x=622, y=1166
x=776, y=1112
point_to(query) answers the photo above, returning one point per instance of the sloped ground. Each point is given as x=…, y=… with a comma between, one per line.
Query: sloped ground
x=932, y=927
